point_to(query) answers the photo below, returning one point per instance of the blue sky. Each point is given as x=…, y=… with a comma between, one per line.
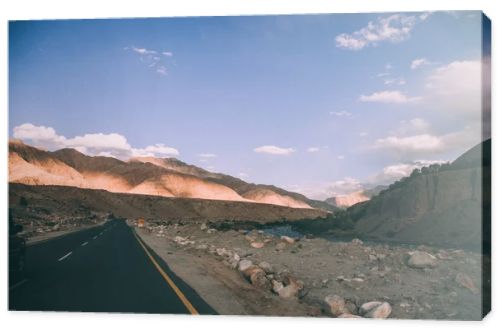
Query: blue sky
x=321, y=104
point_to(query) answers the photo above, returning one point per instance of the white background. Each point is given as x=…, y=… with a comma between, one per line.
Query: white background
x=36, y=322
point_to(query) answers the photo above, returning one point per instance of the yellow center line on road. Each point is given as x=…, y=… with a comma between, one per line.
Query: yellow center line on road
x=174, y=287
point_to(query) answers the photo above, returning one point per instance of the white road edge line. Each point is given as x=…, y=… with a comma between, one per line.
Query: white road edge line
x=95, y=237
x=86, y=242
x=18, y=284
x=65, y=256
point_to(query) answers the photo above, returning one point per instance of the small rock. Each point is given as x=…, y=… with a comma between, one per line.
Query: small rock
x=287, y=239
x=375, y=309
x=289, y=291
x=236, y=257
x=336, y=304
x=277, y=285
x=258, y=279
x=443, y=255
x=202, y=247
x=356, y=241
x=257, y=244
x=421, y=260
x=223, y=252
x=465, y=281
x=280, y=246
x=372, y=257
x=266, y=267
x=244, y=265
x=247, y=273
x=203, y=227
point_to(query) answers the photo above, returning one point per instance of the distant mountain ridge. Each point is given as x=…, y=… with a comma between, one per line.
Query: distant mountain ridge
x=345, y=201
x=167, y=177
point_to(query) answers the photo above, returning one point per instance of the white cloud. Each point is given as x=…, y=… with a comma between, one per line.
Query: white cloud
x=424, y=16
x=112, y=144
x=107, y=154
x=274, y=150
x=340, y=157
x=152, y=58
x=416, y=63
x=456, y=78
x=313, y=149
x=345, y=186
x=322, y=191
x=426, y=144
x=243, y=175
x=392, y=173
x=383, y=74
x=395, y=81
x=454, y=91
x=99, y=142
x=41, y=135
x=157, y=150
x=207, y=155
x=340, y=113
x=143, y=51
x=412, y=127
x=162, y=70
x=389, y=96
x=394, y=28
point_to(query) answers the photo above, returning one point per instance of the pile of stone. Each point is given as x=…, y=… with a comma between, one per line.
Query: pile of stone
x=263, y=276
x=344, y=308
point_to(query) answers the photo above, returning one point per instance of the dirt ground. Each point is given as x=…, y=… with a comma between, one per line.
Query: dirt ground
x=356, y=271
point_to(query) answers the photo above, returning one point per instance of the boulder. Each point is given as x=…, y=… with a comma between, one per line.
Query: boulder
x=247, y=273
x=421, y=260
x=257, y=244
x=259, y=280
x=466, y=282
x=287, y=291
x=223, y=252
x=276, y=286
x=244, y=265
x=375, y=309
x=336, y=304
x=266, y=266
x=287, y=239
x=356, y=241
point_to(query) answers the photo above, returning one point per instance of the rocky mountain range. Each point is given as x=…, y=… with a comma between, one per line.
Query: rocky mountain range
x=168, y=177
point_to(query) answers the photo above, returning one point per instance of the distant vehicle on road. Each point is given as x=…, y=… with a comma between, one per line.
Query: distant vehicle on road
x=17, y=250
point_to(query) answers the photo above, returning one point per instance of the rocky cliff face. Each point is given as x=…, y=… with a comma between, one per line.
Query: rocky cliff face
x=437, y=205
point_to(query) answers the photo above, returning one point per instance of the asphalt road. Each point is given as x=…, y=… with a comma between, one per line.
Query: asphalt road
x=103, y=269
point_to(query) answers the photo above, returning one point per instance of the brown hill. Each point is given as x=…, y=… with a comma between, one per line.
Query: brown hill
x=265, y=193
x=62, y=202
x=149, y=176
